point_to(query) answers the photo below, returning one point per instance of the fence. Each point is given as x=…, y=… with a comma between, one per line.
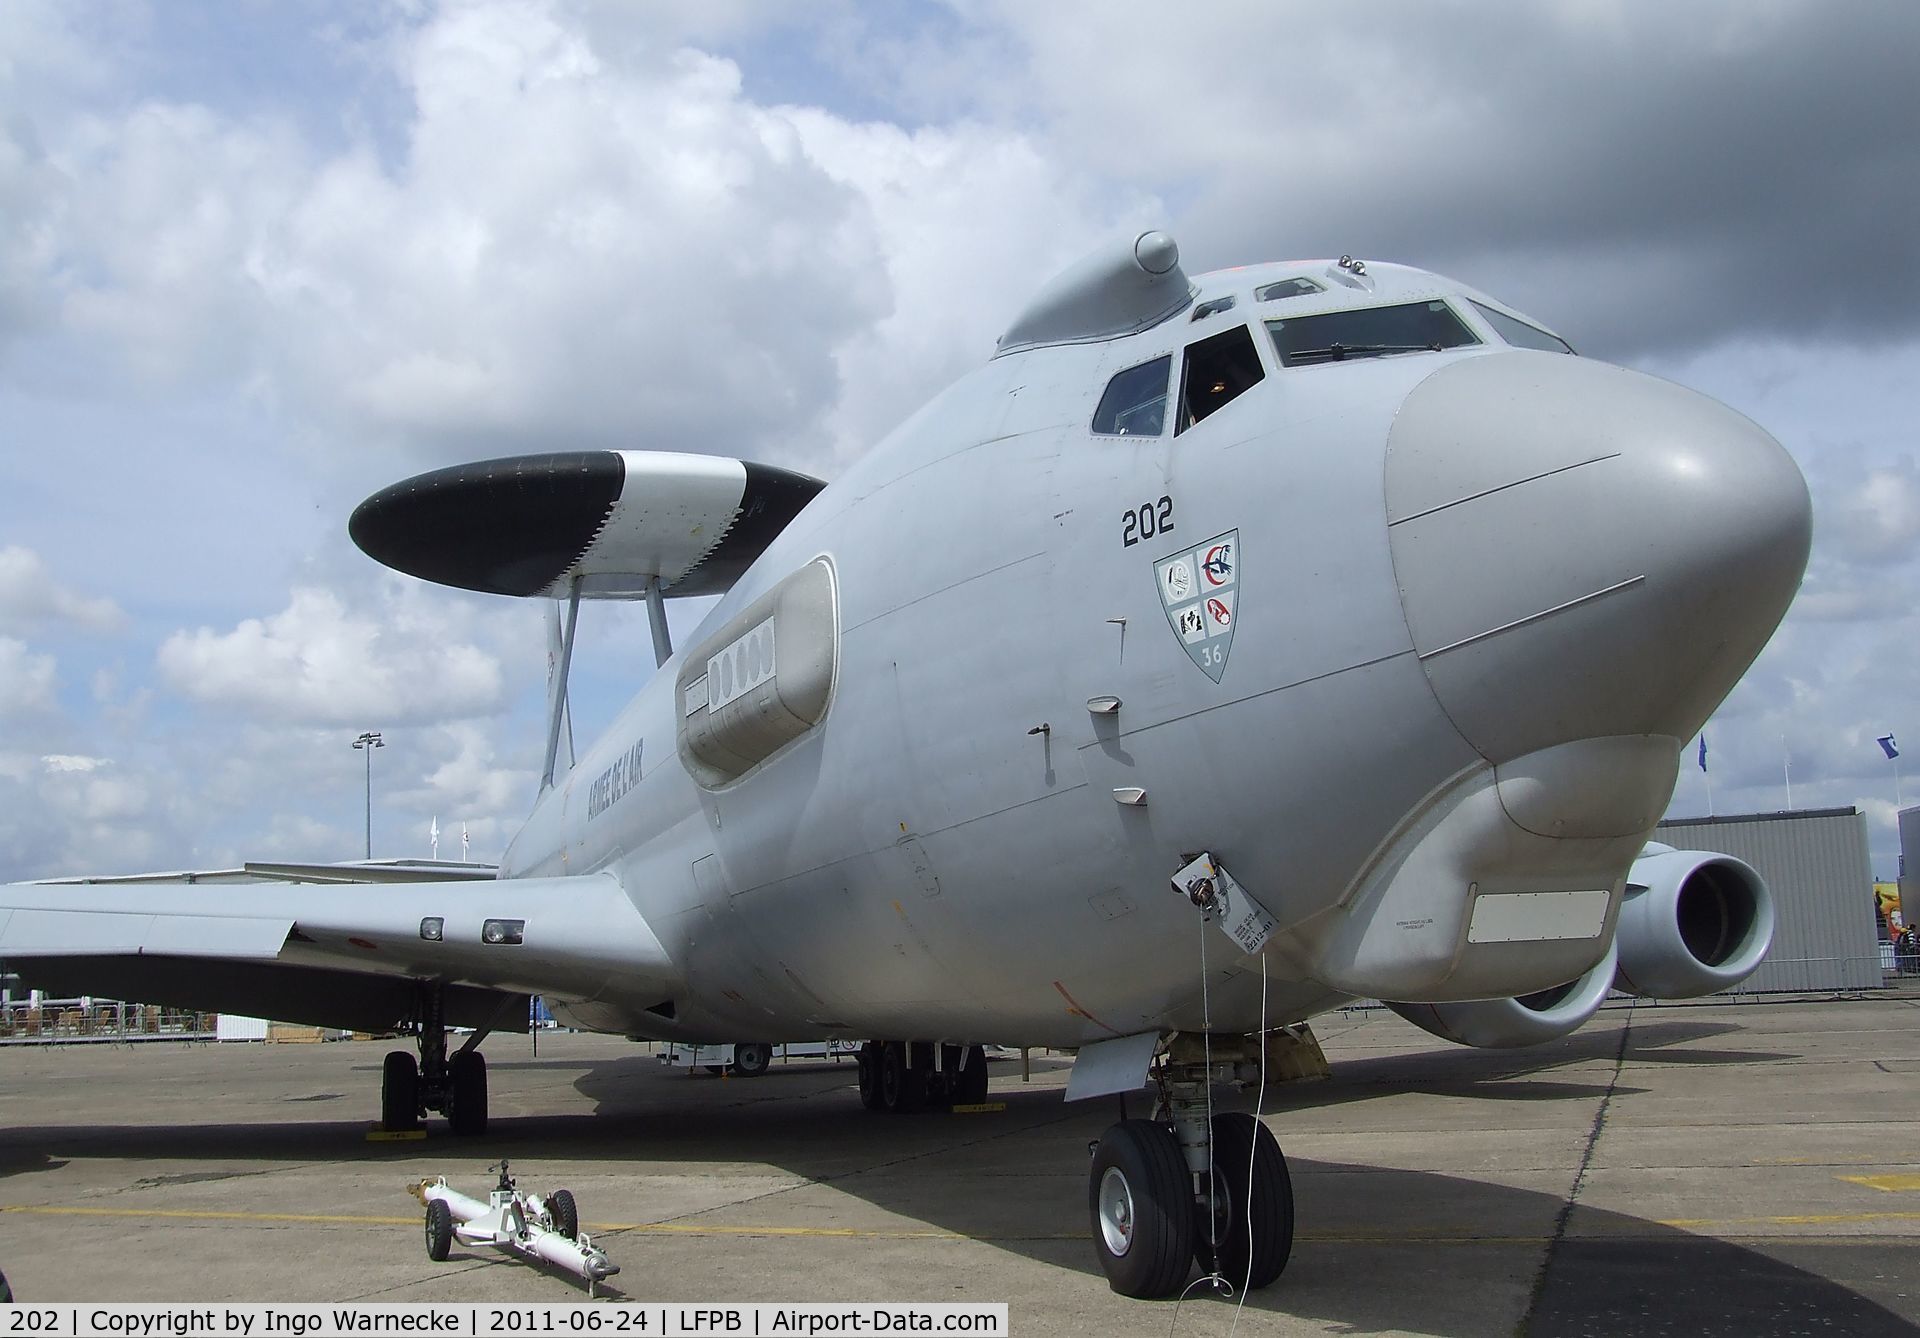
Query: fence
x=47, y=1021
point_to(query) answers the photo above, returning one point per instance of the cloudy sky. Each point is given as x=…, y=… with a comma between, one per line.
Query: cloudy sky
x=258, y=259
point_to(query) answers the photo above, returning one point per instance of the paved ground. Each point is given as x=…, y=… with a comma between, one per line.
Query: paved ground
x=1740, y=1169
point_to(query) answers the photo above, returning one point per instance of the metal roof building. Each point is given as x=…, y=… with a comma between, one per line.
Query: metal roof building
x=1816, y=865
x=1909, y=820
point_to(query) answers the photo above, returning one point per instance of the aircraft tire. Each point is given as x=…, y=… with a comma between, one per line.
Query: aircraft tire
x=1141, y=1200
x=1240, y=1143
x=399, y=1092
x=439, y=1230
x=869, y=1062
x=751, y=1058
x=565, y=1213
x=467, y=1072
x=903, y=1088
x=970, y=1083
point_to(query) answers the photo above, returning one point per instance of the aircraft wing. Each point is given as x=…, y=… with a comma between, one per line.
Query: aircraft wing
x=340, y=955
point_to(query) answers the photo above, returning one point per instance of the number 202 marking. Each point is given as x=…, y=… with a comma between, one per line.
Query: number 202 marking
x=1145, y=521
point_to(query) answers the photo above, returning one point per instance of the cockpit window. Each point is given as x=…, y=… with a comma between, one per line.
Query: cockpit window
x=1212, y=307
x=1135, y=402
x=1520, y=334
x=1286, y=288
x=1218, y=369
x=1369, y=332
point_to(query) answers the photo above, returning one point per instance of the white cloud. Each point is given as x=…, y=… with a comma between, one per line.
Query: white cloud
x=471, y=782
x=955, y=286
x=1874, y=516
x=573, y=246
x=30, y=596
x=317, y=662
x=62, y=815
x=26, y=680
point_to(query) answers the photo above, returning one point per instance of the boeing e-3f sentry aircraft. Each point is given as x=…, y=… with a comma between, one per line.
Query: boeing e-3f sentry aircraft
x=1224, y=649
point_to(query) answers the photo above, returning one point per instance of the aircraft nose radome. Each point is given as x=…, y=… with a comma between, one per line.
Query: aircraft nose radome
x=1585, y=551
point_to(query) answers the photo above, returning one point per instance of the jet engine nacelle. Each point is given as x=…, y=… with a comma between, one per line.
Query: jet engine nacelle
x=1531, y=1019
x=1692, y=923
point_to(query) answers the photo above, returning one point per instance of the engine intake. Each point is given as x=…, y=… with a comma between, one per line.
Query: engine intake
x=1531, y=1019
x=1692, y=923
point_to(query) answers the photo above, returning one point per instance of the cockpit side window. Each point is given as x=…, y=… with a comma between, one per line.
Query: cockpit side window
x=1369, y=332
x=1218, y=369
x=1520, y=334
x=1135, y=402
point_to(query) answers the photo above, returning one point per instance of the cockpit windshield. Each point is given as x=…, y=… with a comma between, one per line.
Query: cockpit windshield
x=1519, y=333
x=1369, y=332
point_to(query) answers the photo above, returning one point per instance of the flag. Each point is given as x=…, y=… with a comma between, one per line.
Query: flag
x=1886, y=746
x=1703, y=752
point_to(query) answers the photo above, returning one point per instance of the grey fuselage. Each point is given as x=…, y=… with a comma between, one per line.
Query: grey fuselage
x=1482, y=595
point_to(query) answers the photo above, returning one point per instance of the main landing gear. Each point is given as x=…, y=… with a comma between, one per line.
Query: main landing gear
x=454, y=1085
x=1177, y=1190
x=906, y=1076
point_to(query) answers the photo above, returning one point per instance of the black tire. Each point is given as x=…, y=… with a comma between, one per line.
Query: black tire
x=1141, y=1200
x=399, y=1092
x=6, y=1292
x=467, y=1075
x=869, y=1061
x=565, y=1213
x=969, y=1085
x=751, y=1058
x=1248, y=1262
x=439, y=1229
x=903, y=1088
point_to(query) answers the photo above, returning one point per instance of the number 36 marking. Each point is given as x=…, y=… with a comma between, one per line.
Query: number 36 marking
x=1145, y=521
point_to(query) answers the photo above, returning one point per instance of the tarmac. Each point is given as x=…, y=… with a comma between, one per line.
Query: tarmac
x=1739, y=1168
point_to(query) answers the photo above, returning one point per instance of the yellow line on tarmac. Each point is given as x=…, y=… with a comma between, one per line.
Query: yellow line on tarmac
x=1413, y=1236
x=189, y=1215
x=1795, y=1219
x=661, y=1228
x=1889, y=1183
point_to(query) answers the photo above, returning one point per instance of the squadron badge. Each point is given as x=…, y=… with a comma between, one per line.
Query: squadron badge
x=1197, y=588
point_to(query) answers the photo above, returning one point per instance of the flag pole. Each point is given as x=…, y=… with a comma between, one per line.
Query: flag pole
x=1786, y=769
x=1706, y=774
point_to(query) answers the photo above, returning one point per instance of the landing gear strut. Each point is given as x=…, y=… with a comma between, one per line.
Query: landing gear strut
x=454, y=1085
x=906, y=1076
x=1177, y=1190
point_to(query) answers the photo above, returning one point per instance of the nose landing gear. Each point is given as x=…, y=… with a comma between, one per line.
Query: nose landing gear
x=1178, y=1189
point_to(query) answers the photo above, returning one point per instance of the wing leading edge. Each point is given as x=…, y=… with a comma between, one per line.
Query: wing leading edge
x=333, y=955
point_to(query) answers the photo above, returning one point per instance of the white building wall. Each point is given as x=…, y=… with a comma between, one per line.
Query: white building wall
x=233, y=1027
x=1816, y=865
